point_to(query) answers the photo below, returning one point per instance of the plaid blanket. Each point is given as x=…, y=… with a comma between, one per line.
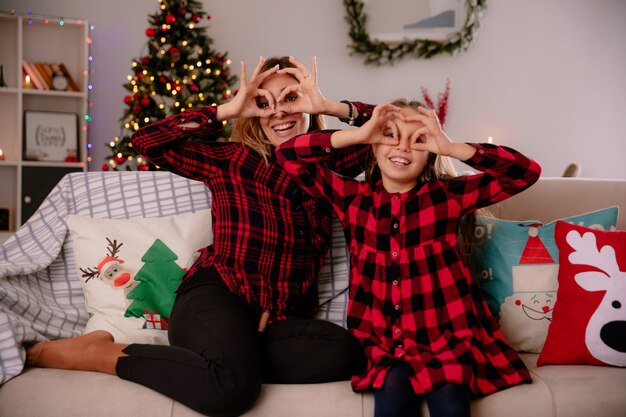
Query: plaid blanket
x=40, y=293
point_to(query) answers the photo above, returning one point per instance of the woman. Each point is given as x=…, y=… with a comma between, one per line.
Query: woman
x=243, y=313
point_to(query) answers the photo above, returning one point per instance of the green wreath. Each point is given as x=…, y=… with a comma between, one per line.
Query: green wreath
x=378, y=52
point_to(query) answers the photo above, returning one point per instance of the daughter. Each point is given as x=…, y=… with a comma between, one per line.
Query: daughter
x=422, y=321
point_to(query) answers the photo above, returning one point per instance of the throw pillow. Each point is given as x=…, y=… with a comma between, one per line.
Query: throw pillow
x=516, y=264
x=589, y=321
x=130, y=270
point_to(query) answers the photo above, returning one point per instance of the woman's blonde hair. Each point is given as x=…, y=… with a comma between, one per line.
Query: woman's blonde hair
x=248, y=130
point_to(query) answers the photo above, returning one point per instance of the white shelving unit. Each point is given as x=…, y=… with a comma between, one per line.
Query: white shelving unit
x=24, y=184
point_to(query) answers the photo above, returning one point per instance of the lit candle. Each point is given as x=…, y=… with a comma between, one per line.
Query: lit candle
x=1, y=155
x=27, y=83
x=489, y=139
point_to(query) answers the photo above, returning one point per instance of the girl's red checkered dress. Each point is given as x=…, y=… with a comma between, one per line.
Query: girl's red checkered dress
x=411, y=297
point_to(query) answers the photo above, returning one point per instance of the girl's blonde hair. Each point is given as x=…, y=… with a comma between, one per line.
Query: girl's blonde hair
x=248, y=130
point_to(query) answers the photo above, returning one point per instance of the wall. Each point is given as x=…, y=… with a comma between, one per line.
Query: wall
x=546, y=77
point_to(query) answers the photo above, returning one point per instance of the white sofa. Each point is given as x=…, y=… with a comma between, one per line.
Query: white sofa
x=564, y=390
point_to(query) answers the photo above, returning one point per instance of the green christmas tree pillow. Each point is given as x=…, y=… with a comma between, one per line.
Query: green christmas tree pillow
x=130, y=270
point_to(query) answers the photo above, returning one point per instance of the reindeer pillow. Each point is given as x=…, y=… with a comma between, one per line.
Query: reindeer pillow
x=589, y=320
x=130, y=270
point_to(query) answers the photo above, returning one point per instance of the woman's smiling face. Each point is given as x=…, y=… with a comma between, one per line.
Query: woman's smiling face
x=281, y=126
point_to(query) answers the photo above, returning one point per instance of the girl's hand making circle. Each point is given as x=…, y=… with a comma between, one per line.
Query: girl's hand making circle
x=429, y=137
x=381, y=128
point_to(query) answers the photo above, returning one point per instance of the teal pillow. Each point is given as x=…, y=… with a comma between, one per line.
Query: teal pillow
x=516, y=265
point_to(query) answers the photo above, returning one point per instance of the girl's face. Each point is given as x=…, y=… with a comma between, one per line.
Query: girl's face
x=399, y=164
x=281, y=126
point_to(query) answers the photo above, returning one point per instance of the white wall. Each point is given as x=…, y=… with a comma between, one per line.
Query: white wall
x=547, y=77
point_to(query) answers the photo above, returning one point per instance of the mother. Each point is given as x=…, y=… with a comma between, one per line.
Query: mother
x=243, y=313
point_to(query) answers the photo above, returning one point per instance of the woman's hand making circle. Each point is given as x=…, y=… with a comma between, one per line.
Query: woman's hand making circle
x=305, y=96
x=246, y=103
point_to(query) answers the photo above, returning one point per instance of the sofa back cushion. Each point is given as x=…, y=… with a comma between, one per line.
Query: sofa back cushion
x=127, y=195
x=557, y=198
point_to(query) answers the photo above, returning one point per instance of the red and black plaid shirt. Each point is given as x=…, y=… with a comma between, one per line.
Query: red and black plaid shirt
x=411, y=297
x=270, y=238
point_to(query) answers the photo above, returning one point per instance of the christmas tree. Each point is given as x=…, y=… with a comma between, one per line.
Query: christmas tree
x=180, y=71
x=158, y=279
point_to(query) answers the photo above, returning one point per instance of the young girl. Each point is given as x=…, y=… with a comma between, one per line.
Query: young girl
x=422, y=321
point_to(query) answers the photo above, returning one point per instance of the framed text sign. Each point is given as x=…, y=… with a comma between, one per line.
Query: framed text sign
x=49, y=136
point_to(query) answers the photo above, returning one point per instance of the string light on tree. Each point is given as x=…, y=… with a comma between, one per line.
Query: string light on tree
x=179, y=71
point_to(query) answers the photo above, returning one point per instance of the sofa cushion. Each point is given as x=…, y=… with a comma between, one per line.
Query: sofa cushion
x=61, y=393
x=579, y=390
x=516, y=263
x=589, y=322
x=131, y=268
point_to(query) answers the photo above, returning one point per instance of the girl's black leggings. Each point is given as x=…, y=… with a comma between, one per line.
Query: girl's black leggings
x=397, y=399
x=217, y=361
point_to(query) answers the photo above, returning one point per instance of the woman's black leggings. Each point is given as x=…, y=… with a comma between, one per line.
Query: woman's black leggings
x=217, y=361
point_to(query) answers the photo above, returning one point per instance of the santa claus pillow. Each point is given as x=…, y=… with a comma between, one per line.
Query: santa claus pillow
x=589, y=319
x=130, y=270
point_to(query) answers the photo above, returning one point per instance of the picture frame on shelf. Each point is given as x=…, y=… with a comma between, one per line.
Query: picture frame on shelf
x=49, y=136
